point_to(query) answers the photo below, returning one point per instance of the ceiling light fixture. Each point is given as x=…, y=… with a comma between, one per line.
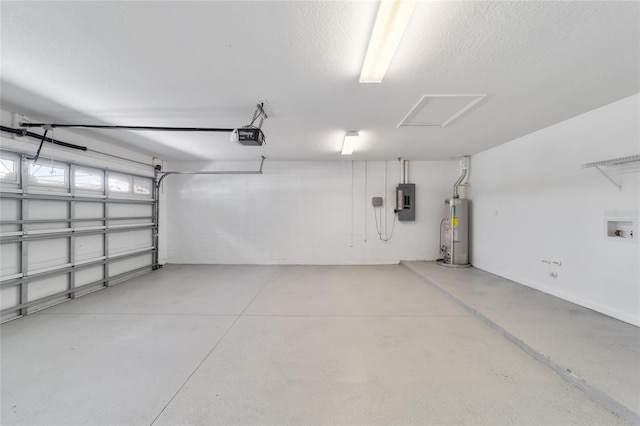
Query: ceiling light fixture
x=349, y=142
x=391, y=22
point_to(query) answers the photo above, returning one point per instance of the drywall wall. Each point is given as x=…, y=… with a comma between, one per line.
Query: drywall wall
x=302, y=212
x=532, y=202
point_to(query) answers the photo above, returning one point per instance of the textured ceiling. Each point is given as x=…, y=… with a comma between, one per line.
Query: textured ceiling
x=207, y=64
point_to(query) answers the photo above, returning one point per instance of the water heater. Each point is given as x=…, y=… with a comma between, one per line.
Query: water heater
x=455, y=233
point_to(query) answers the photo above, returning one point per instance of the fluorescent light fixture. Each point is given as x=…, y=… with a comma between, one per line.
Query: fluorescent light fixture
x=393, y=18
x=349, y=143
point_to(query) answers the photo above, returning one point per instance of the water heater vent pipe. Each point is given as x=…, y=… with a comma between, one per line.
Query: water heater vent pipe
x=405, y=164
x=404, y=170
x=464, y=165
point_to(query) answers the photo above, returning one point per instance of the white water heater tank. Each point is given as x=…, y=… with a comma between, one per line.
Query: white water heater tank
x=456, y=229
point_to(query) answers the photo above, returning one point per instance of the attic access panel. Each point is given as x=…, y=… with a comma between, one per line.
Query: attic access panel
x=439, y=110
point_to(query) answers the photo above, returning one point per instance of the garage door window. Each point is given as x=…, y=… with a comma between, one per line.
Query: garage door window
x=55, y=174
x=90, y=179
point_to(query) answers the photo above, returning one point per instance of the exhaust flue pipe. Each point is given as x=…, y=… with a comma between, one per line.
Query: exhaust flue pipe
x=461, y=178
x=405, y=165
x=404, y=170
x=458, y=182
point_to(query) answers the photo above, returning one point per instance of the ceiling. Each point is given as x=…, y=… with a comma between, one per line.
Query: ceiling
x=207, y=64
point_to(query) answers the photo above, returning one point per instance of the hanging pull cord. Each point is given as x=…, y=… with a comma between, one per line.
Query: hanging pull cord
x=35, y=157
x=52, y=145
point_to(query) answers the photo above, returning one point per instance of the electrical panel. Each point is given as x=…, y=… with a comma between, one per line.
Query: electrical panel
x=406, y=201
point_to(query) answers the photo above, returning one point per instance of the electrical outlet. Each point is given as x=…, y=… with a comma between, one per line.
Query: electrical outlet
x=376, y=201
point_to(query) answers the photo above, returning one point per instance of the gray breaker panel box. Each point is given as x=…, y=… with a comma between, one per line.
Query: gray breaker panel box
x=406, y=201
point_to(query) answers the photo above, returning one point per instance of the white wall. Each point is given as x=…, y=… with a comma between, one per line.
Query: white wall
x=301, y=213
x=532, y=201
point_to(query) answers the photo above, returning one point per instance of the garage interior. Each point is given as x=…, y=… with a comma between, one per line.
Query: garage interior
x=214, y=213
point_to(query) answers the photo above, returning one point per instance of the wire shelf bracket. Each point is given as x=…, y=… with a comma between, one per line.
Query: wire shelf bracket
x=613, y=162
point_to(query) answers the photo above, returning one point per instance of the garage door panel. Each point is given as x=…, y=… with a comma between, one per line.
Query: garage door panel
x=47, y=209
x=44, y=287
x=89, y=275
x=51, y=226
x=127, y=265
x=123, y=242
x=10, y=296
x=130, y=210
x=10, y=209
x=10, y=259
x=57, y=227
x=87, y=210
x=88, y=247
x=48, y=253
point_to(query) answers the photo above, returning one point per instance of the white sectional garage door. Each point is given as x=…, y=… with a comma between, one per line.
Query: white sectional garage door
x=68, y=229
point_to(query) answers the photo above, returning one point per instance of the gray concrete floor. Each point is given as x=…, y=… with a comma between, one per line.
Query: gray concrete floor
x=600, y=353
x=260, y=345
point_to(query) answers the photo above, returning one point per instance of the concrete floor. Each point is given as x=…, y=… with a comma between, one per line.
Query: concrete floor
x=599, y=354
x=355, y=345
